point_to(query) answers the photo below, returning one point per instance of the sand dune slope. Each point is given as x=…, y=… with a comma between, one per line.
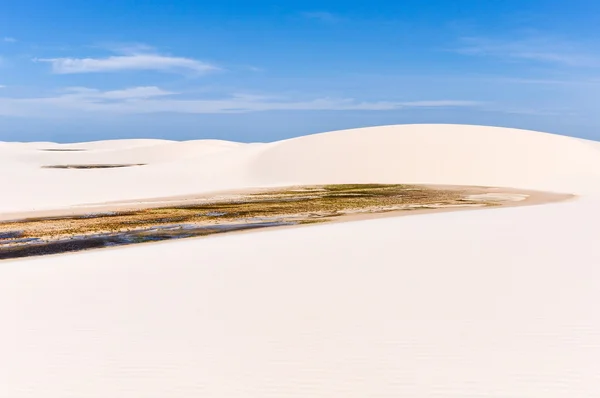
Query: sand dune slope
x=442, y=154
x=470, y=155
x=495, y=304
x=167, y=168
x=498, y=303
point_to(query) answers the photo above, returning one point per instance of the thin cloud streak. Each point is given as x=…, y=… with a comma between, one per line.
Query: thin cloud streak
x=151, y=99
x=148, y=62
x=128, y=93
x=537, y=49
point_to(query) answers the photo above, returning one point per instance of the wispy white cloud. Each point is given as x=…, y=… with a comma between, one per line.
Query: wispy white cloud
x=573, y=81
x=129, y=48
x=9, y=40
x=322, y=16
x=538, y=49
x=128, y=93
x=137, y=61
x=442, y=103
x=533, y=112
x=139, y=100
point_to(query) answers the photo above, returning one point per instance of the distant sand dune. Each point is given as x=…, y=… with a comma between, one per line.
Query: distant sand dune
x=437, y=154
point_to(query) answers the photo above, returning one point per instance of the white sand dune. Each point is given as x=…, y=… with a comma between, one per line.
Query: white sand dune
x=497, y=303
x=441, y=154
x=113, y=144
x=469, y=155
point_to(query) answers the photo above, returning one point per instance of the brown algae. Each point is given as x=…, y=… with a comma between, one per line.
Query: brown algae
x=261, y=209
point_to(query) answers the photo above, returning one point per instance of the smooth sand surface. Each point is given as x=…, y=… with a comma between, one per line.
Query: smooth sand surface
x=497, y=303
x=420, y=154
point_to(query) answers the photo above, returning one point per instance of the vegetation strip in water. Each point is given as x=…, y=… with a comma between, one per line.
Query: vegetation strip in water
x=90, y=166
x=261, y=209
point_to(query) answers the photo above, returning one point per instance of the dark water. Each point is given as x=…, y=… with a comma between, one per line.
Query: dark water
x=37, y=247
x=11, y=234
x=62, y=150
x=90, y=166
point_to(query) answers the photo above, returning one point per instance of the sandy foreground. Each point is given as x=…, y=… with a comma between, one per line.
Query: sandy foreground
x=494, y=303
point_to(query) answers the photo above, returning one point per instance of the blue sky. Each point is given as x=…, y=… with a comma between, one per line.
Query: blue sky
x=266, y=70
